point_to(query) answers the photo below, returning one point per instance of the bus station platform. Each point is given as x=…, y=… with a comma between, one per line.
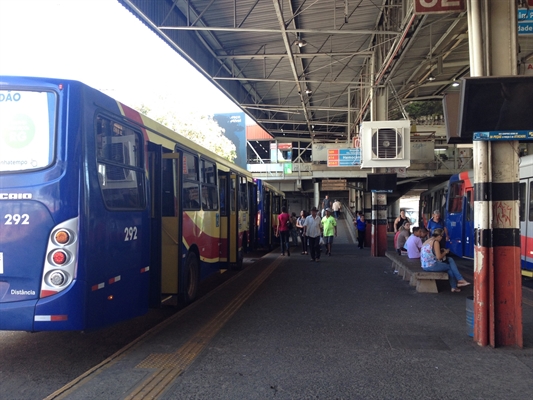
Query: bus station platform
x=343, y=328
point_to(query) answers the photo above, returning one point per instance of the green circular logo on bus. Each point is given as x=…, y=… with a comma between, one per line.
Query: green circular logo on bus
x=19, y=132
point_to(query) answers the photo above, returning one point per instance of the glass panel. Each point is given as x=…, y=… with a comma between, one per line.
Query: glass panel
x=456, y=197
x=232, y=193
x=190, y=167
x=124, y=194
x=209, y=197
x=27, y=129
x=209, y=173
x=469, y=206
x=530, y=202
x=191, y=196
x=243, y=194
x=120, y=172
x=222, y=187
x=522, y=198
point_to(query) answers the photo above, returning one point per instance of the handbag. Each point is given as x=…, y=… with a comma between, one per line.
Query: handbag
x=289, y=225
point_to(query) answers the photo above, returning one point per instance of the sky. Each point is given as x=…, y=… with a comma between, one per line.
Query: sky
x=100, y=43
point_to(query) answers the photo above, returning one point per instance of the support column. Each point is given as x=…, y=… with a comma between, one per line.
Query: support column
x=497, y=279
x=316, y=195
x=367, y=210
x=378, y=246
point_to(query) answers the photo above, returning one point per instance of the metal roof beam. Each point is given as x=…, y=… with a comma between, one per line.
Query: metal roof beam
x=296, y=55
x=352, y=32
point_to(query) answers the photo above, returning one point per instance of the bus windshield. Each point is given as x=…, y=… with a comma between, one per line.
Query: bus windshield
x=27, y=127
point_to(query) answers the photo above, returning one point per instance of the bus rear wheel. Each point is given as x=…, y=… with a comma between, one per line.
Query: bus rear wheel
x=191, y=279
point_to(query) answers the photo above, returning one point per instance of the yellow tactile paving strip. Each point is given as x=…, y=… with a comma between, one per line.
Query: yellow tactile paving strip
x=171, y=365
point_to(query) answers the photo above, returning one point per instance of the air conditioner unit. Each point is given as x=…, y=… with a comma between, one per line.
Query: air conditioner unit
x=385, y=144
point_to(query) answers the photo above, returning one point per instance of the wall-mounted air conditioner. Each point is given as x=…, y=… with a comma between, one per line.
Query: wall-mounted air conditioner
x=385, y=144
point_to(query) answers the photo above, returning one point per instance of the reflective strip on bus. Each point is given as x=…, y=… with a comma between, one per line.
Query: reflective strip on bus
x=145, y=269
x=50, y=318
x=99, y=286
x=113, y=280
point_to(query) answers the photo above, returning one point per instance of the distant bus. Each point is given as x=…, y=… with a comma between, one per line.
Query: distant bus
x=105, y=212
x=455, y=200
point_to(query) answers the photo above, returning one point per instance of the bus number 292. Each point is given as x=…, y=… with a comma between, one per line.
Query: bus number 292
x=16, y=219
x=130, y=233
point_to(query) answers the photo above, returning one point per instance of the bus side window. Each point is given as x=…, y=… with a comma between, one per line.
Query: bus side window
x=119, y=163
x=222, y=182
x=530, y=202
x=191, y=183
x=522, y=197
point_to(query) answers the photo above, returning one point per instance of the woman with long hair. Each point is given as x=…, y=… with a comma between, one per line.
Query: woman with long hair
x=434, y=259
x=300, y=227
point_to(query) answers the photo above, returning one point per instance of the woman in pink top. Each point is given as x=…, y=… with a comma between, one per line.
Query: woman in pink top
x=283, y=230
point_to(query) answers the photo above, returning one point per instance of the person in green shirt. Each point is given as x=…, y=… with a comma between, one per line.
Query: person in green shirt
x=329, y=230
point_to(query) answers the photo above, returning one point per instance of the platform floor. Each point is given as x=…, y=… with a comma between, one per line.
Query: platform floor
x=343, y=328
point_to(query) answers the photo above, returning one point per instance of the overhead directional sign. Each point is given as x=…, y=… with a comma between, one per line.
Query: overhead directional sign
x=438, y=6
x=344, y=157
x=525, y=21
x=503, y=135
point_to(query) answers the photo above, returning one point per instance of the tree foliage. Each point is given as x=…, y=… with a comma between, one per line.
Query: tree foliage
x=201, y=129
x=417, y=109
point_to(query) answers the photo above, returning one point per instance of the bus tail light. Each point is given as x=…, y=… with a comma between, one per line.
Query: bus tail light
x=61, y=262
x=59, y=257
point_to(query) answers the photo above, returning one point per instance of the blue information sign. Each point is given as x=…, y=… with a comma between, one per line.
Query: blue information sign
x=525, y=21
x=344, y=157
x=503, y=135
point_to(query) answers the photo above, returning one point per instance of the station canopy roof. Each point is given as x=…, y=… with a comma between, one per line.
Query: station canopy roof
x=293, y=65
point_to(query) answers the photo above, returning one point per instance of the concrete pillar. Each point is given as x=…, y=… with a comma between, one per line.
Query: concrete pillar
x=497, y=281
x=367, y=210
x=316, y=195
x=378, y=245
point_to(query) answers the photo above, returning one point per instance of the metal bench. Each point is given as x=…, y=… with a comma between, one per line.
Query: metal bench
x=410, y=270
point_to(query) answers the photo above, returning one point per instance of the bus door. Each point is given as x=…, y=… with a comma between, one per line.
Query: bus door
x=170, y=223
x=233, y=215
x=268, y=201
x=252, y=215
x=223, y=217
x=454, y=218
x=468, y=224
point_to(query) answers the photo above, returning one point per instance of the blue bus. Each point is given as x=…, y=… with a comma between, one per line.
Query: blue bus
x=455, y=201
x=105, y=212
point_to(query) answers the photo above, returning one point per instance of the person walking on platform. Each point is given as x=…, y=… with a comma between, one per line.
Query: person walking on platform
x=325, y=204
x=336, y=208
x=283, y=229
x=329, y=229
x=398, y=222
x=311, y=228
x=360, y=223
x=294, y=232
x=434, y=259
x=300, y=226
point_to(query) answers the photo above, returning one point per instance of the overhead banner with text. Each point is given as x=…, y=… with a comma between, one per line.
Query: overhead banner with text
x=438, y=6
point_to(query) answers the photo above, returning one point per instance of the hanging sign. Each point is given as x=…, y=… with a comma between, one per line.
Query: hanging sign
x=344, y=157
x=438, y=6
x=525, y=21
x=503, y=135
